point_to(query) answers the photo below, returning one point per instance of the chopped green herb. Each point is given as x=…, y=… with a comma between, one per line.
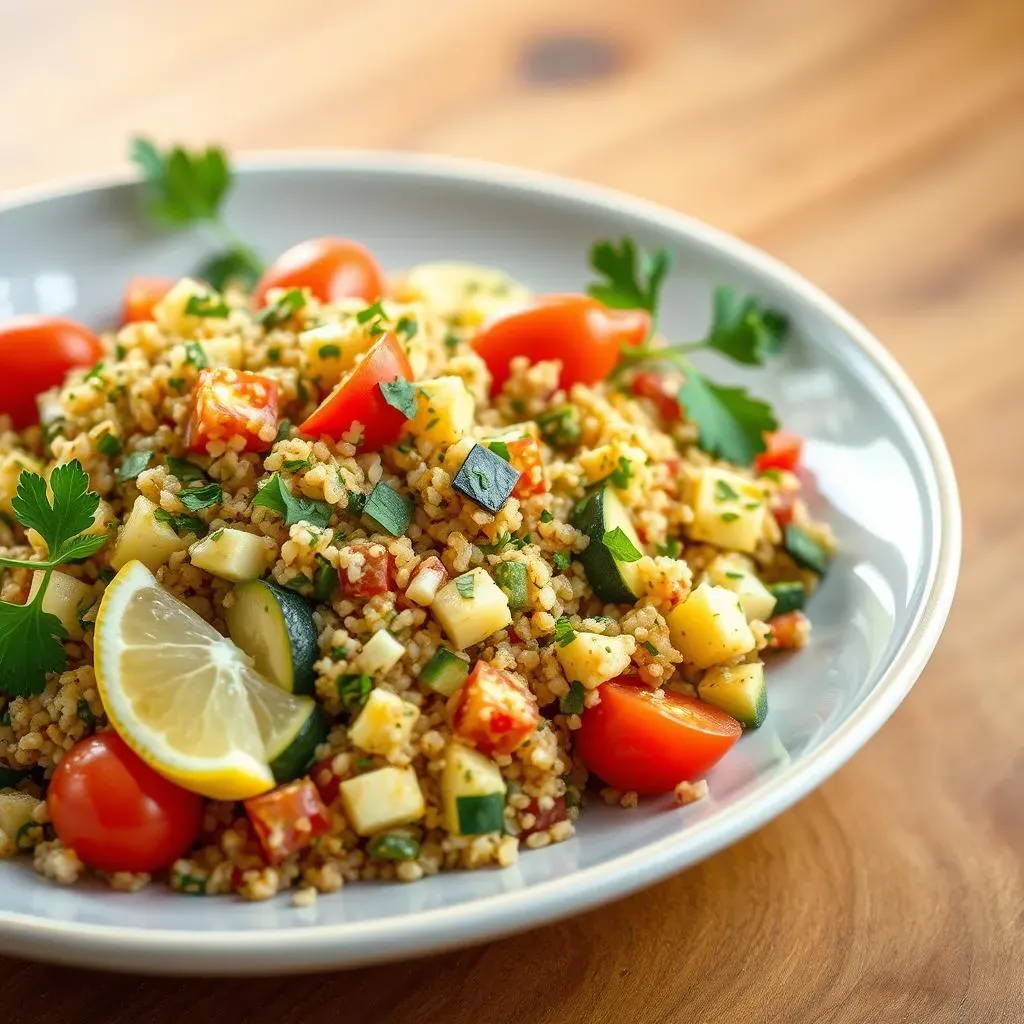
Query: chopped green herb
x=622, y=474
x=53, y=429
x=187, y=472
x=561, y=560
x=197, y=498
x=671, y=548
x=281, y=311
x=650, y=648
x=561, y=428
x=120, y=351
x=195, y=356
x=464, y=585
x=207, y=306
x=324, y=580
x=501, y=449
x=451, y=342
x=329, y=351
x=354, y=691
x=274, y=354
x=564, y=633
x=406, y=327
x=571, y=703
x=621, y=547
x=729, y=517
x=178, y=383
x=405, y=446
x=298, y=581
x=392, y=846
x=182, y=525
x=374, y=312
x=110, y=446
x=296, y=465
x=95, y=373
x=388, y=509
x=339, y=653
x=734, y=575
x=401, y=395
x=276, y=496
x=283, y=430
x=723, y=492
x=356, y=503
x=84, y=714
x=133, y=465
x=546, y=516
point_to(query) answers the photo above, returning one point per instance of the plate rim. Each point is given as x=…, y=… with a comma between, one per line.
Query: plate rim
x=352, y=944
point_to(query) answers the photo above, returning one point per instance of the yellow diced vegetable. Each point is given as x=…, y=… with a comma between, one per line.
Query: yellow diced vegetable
x=471, y=607
x=464, y=290
x=444, y=410
x=593, y=659
x=382, y=799
x=231, y=554
x=12, y=465
x=331, y=349
x=709, y=627
x=65, y=597
x=380, y=653
x=145, y=538
x=728, y=510
x=466, y=773
x=385, y=724
x=756, y=600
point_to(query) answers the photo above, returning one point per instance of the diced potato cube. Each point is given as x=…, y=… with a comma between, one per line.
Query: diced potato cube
x=331, y=349
x=231, y=555
x=428, y=579
x=226, y=351
x=470, y=292
x=475, y=611
x=380, y=653
x=728, y=510
x=385, y=723
x=756, y=600
x=593, y=659
x=169, y=313
x=444, y=410
x=382, y=799
x=12, y=465
x=709, y=627
x=601, y=462
x=145, y=538
x=65, y=597
x=467, y=773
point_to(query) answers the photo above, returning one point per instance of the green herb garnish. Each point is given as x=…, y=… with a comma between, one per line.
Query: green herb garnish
x=546, y=516
x=354, y=691
x=400, y=395
x=207, y=306
x=281, y=311
x=620, y=546
x=276, y=496
x=133, y=465
x=464, y=585
x=197, y=498
x=571, y=703
x=561, y=560
x=195, y=355
x=388, y=510
x=182, y=525
x=187, y=472
x=564, y=633
x=723, y=492
x=391, y=846
x=110, y=446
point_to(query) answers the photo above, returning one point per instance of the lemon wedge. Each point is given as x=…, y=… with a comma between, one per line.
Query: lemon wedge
x=188, y=701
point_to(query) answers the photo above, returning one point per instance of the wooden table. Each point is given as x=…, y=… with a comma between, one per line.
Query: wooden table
x=876, y=145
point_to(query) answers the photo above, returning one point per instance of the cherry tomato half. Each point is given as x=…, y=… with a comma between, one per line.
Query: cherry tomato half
x=358, y=398
x=783, y=452
x=647, y=384
x=287, y=819
x=36, y=353
x=141, y=297
x=331, y=268
x=116, y=812
x=650, y=740
x=228, y=403
x=494, y=711
x=583, y=333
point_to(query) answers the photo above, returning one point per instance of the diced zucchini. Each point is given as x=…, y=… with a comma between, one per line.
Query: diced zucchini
x=464, y=290
x=805, y=550
x=379, y=654
x=511, y=577
x=65, y=597
x=593, y=659
x=444, y=411
x=486, y=479
x=145, y=538
x=331, y=349
x=385, y=723
x=738, y=690
x=12, y=466
x=445, y=672
x=728, y=510
x=612, y=579
x=560, y=428
x=295, y=750
x=756, y=600
x=382, y=799
x=471, y=607
x=472, y=792
x=709, y=627
x=231, y=554
x=790, y=596
x=275, y=627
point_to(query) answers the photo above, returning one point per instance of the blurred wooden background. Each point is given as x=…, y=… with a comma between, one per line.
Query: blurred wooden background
x=876, y=145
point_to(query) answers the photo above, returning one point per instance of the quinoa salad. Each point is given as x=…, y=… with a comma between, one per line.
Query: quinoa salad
x=329, y=574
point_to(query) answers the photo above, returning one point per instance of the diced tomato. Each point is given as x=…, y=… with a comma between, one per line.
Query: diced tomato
x=783, y=510
x=647, y=384
x=783, y=452
x=789, y=631
x=495, y=712
x=142, y=295
x=432, y=566
x=524, y=455
x=288, y=819
x=358, y=398
x=327, y=783
x=583, y=333
x=545, y=819
x=648, y=741
x=228, y=403
x=376, y=573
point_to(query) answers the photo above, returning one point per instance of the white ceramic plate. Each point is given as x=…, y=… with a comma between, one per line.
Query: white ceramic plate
x=880, y=473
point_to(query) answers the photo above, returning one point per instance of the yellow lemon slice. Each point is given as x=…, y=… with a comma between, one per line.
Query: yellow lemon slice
x=187, y=700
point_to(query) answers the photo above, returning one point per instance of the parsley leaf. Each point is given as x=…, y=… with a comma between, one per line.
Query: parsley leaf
x=622, y=474
x=406, y=327
x=195, y=355
x=31, y=642
x=564, y=633
x=72, y=511
x=207, y=306
x=234, y=265
x=182, y=525
x=133, y=465
x=283, y=310
x=400, y=395
x=621, y=547
x=730, y=421
x=500, y=448
x=276, y=496
x=743, y=329
x=374, y=312
x=464, y=585
x=724, y=492
x=561, y=560
x=196, y=498
x=110, y=446
x=633, y=279
x=185, y=471
x=571, y=703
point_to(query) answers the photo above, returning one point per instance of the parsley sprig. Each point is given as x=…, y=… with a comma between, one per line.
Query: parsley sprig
x=731, y=422
x=185, y=187
x=31, y=640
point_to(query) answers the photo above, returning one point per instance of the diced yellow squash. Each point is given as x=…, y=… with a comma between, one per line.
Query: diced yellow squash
x=466, y=773
x=12, y=465
x=380, y=653
x=593, y=659
x=226, y=351
x=169, y=313
x=600, y=462
x=464, y=290
x=65, y=597
x=756, y=600
x=382, y=799
x=145, y=538
x=331, y=349
x=709, y=627
x=231, y=554
x=728, y=510
x=444, y=410
x=17, y=810
x=483, y=611
x=385, y=724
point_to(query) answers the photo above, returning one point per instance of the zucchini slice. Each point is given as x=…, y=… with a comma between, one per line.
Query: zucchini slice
x=445, y=672
x=295, y=753
x=275, y=627
x=805, y=550
x=472, y=792
x=738, y=690
x=790, y=596
x=511, y=577
x=613, y=580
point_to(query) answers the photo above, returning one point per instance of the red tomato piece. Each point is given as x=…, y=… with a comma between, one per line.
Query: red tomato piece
x=583, y=333
x=545, y=819
x=648, y=741
x=376, y=574
x=647, y=384
x=228, y=403
x=287, y=819
x=36, y=353
x=783, y=452
x=327, y=783
x=358, y=398
x=525, y=456
x=432, y=566
x=331, y=268
x=783, y=510
x=116, y=812
x=789, y=631
x=495, y=712
x=142, y=295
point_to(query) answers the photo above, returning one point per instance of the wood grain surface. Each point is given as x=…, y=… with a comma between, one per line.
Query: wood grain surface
x=876, y=145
